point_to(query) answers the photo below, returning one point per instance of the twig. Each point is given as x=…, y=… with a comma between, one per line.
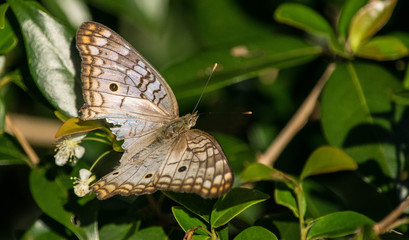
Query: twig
x=385, y=224
x=297, y=122
x=34, y=160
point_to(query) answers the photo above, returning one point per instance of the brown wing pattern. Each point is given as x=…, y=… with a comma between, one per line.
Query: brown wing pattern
x=193, y=163
x=119, y=85
x=196, y=164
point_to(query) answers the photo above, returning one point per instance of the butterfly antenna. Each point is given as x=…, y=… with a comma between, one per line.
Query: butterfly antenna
x=207, y=82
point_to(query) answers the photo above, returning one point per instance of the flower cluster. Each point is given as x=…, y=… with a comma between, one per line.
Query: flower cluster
x=82, y=183
x=68, y=149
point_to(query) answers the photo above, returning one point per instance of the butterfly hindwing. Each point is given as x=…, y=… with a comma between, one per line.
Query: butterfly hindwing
x=192, y=162
x=196, y=164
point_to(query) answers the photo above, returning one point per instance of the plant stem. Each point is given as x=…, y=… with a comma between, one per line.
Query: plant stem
x=99, y=158
x=32, y=155
x=386, y=223
x=297, y=122
x=299, y=194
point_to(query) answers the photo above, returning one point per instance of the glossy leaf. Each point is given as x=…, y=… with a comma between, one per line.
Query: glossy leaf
x=10, y=153
x=115, y=231
x=401, y=97
x=284, y=225
x=50, y=189
x=76, y=125
x=307, y=19
x=235, y=27
x=201, y=237
x=327, y=159
x=149, y=233
x=255, y=233
x=2, y=116
x=233, y=203
x=285, y=195
x=383, y=48
x=350, y=8
x=40, y=231
x=352, y=100
x=8, y=39
x=187, y=220
x=48, y=47
x=70, y=13
x=337, y=224
x=369, y=19
x=194, y=203
x=3, y=10
x=273, y=51
x=223, y=232
x=259, y=172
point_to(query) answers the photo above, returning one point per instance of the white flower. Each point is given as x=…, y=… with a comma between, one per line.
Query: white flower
x=68, y=149
x=82, y=183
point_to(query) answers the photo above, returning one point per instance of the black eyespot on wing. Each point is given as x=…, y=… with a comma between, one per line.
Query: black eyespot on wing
x=115, y=173
x=149, y=175
x=182, y=169
x=113, y=87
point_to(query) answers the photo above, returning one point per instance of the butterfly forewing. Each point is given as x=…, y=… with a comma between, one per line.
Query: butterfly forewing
x=120, y=85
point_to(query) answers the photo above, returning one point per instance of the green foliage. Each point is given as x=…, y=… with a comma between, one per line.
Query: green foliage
x=337, y=178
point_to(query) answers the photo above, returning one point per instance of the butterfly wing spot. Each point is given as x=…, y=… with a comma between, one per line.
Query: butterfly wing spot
x=149, y=175
x=115, y=173
x=113, y=87
x=182, y=169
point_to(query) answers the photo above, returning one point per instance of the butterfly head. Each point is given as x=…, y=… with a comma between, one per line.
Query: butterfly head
x=191, y=119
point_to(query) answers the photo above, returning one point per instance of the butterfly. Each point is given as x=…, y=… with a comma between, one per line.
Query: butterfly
x=161, y=151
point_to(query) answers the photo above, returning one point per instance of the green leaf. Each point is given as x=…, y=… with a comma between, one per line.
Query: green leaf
x=337, y=224
x=401, y=97
x=383, y=48
x=327, y=159
x=10, y=152
x=70, y=13
x=372, y=17
x=353, y=101
x=76, y=125
x=50, y=188
x=285, y=195
x=48, y=47
x=149, y=233
x=3, y=10
x=349, y=9
x=8, y=39
x=306, y=19
x=258, y=172
x=187, y=220
x=255, y=233
x=194, y=203
x=233, y=203
x=2, y=116
x=235, y=27
x=40, y=231
x=187, y=78
x=283, y=224
x=201, y=237
x=114, y=231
